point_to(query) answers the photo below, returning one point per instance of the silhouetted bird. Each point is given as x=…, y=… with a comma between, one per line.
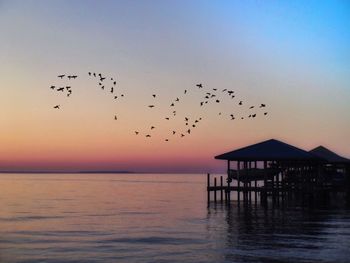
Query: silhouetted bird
x=174, y=132
x=199, y=86
x=251, y=107
x=69, y=77
x=224, y=90
x=151, y=106
x=74, y=76
x=202, y=103
x=177, y=99
x=188, y=131
x=114, y=83
x=186, y=119
x=56, y=107
x=152, y=127
x=122, y=95
x=115, y=97
x=102, y=79
x=89, y=73
x=100, y=83
x=217, y=101
x=240, y=103
x=148, y=136
x=194, y=126
x=136, y=132
x=215, y=89
x=185, y=92
x=172, y=104
x=262, y=105
x=195, y=121
x=219, y=113
x=254, y=115
x=115, y=117
x=166, y=140
x=60, y=89
x=52, y=87
x=94, y=74
x=154, y=95
x=265, y=113
x=167, y=118
x=68, y=88
x=182, y=135
x=61, y=76
x=103, y=87
x=112, y=90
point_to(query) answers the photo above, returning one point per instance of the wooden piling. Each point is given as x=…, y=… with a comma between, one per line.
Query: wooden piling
x=221, y=189
x=215, y=190
x=208, y=185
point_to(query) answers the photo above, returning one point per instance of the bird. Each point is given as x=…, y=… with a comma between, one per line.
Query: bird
x=115, y=97
x=215, y=89
x=167, y=118
x=115, y=117
x=172, y=104
x=60, y=76
x=94, y=74
x=152, y=127
x=68, y=88
x=174, y=132
x=242, y=118
x=74, y=76
x=254, y=115
x=194, y=126
x=202, y=103
x=217, y=101
x=224, y=90
x=102, y=79
x=122, y=95
x=177, y=99
x=60, y=89
x=154, y=95
x=136, y=132
x=219, y=113
x=89, y=73
x=112, y=90
x=265, y=113
x=52, y=87
x=69, y=77
x=148, y=136
x=240, y=103
x=199, y=85
x=189, y=131
x=103, y=87
x=114, y=83
x=185, y=92
x=100, y=83
x=150, y=106
x=262, y=105
x=56, y=107
x=251, y=107
x=182, y=135
x=166, y=140
x=186, y=119
x=195, y=121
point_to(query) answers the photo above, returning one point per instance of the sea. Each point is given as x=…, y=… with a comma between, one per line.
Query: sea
x=156, y=218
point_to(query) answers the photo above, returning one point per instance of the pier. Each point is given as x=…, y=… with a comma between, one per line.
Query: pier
x=276, y=171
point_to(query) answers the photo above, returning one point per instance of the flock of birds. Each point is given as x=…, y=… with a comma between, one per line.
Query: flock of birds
x=212, y=96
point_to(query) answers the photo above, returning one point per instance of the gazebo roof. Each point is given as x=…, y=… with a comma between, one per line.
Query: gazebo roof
x=269, y=150
x=328, y=155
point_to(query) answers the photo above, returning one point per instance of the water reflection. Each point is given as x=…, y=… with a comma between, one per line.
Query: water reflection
x=293, y=234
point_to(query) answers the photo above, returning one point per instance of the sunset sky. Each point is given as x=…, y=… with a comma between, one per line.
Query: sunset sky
x=294, y=56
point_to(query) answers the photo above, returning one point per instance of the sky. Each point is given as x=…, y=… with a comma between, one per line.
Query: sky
x=293, y=56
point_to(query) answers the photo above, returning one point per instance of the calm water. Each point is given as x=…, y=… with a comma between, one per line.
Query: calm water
x=155, y=218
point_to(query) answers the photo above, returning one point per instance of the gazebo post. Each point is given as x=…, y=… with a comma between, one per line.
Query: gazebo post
x=238, y=182
x=228, y=182
x=255, y=185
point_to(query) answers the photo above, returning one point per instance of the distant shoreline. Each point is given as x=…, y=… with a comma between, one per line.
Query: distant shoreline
x=66, y=172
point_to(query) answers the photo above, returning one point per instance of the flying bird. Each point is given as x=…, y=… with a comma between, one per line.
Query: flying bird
x=177, y=99
x=148, y=136
x=150, y=106
x=167, y=118
x=136, y=132
x=152, y=127
x=251, y=107
x=172, y=104
x=115, y=117
x=52, y=87
x=240, y=103
x=60, y=89
x=262, y=105
x=60, y=76
x=174, y=132
x=199, y=85
x=154, y=95
x=185, y=92
x=56, y=107
x=265, y=113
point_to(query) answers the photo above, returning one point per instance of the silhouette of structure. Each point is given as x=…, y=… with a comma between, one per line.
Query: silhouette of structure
x=281, y=171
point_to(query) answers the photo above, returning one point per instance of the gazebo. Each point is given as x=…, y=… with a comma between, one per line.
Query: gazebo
x=281, y=167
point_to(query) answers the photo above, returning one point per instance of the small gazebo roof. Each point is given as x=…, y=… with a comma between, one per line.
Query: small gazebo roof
x=270, y=150
x=328, y=155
